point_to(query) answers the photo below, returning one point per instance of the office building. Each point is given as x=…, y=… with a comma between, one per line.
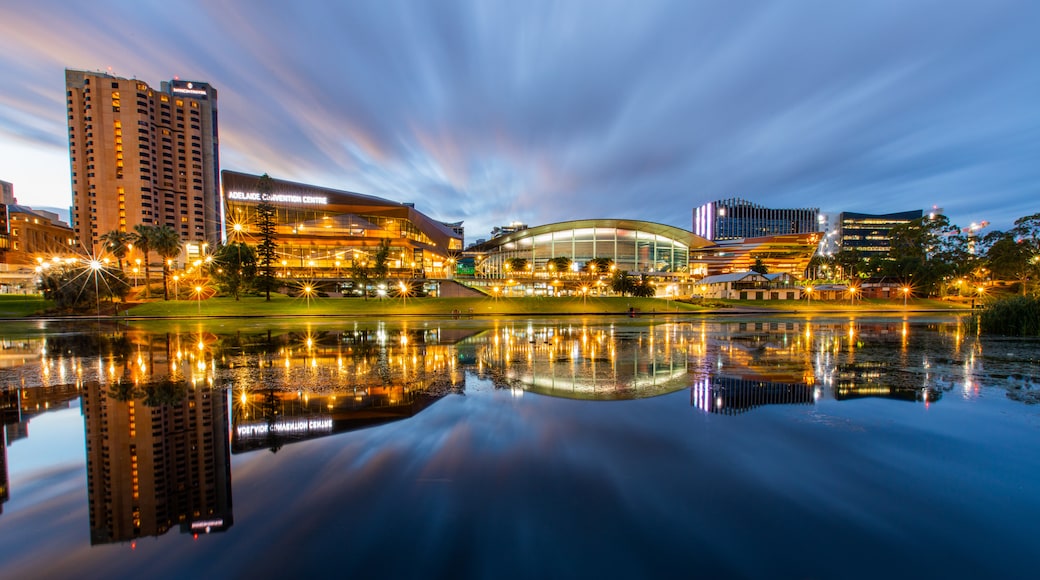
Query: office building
x=732, y=219
x=868, y=234
x=142, y=156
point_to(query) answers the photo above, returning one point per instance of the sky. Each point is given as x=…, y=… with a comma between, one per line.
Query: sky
x=492, y=111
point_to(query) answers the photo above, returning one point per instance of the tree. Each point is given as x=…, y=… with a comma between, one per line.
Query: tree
x=167, y=243
x=118, y=243
x=267, y=249
x=517, y=264
x=644, y=288
x=759, y=267
x=142, y=238
x=560, y=265
x=851, y=263
x=235, y=267
x=621, y=283
x=598, y=265
x=926, y=251
x=380, y=262
x=359, y=273
x=81, y=288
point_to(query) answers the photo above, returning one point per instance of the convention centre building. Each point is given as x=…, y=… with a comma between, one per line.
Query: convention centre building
x=322, y=232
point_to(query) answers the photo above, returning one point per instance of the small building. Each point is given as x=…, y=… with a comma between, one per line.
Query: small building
x=749, y=286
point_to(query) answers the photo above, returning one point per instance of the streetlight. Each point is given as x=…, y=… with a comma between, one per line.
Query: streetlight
x=96, y=266
x=308, y=290
x=808, y=294
x=906, y=292
x=404, y=292
x=176, y=279
x=198, y=298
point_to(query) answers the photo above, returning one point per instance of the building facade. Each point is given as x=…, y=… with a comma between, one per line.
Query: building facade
x=323, y=233
x=731, y=219
x=868, y=234
x=644, y=248
x=142, y=156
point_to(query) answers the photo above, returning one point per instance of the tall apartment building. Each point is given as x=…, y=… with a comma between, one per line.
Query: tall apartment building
x=731, y=219
x=868, y=234
x=143, y=156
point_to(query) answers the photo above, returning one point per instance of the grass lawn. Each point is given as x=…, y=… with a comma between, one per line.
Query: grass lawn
x=281, y=305
x=19, y=305
x=864, y=304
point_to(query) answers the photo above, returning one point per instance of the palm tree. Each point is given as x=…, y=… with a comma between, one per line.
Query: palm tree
x=118, y=242
x=142, y=237
x=167, y=243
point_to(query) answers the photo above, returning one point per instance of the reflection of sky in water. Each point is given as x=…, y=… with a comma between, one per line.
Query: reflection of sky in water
x=488, y=483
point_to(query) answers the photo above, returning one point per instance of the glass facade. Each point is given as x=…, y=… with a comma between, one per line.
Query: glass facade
x=322, y=233
x=633, y=246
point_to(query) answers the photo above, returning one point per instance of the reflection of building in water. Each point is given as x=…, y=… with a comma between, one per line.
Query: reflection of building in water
x=268, y=419
x=582, y=362
x=152, y=467
x=4, y=493
x=877, y=379
x=748, y=365
x=17, y=407
x=733, y=395
x=294, y=388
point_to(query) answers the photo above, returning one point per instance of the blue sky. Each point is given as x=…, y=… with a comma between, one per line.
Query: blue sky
x=541, y=111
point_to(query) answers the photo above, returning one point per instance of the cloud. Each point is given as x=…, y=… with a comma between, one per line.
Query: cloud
x=548, y=111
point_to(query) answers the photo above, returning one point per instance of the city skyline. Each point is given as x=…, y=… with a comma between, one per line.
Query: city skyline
x=551, y=112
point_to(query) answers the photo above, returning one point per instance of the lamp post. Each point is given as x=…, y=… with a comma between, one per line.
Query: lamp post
x=198, y=299
x=906, y=293
x=95, y=266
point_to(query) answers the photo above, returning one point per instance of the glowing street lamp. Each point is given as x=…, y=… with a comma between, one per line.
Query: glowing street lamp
x=906, y=293
x=308, y=291
x=198, y=298
x=95, y=266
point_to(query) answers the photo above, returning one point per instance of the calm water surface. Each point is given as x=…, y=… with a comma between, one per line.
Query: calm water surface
x=727, y=447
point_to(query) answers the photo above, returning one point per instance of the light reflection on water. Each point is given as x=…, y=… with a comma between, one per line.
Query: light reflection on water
x=164, y=413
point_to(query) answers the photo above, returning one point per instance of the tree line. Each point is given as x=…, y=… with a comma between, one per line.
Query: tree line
x=931, y=255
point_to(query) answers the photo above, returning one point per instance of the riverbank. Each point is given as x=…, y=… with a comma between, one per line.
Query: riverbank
x=285, y=306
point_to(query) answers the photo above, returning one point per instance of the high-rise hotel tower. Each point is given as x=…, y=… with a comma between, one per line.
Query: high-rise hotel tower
x=143, y=156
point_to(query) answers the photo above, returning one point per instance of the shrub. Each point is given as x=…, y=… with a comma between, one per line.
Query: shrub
x=1012, y=316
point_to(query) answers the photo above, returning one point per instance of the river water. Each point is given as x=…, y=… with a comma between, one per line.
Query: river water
x=821, y=447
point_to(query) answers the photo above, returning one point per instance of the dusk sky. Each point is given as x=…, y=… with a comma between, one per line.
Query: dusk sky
x=543, y=111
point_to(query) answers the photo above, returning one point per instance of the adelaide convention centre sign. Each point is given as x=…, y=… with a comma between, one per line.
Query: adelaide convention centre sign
x=277, y=198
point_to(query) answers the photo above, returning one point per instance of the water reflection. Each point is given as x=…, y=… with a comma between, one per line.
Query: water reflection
x=164, y=411
x=155, y=461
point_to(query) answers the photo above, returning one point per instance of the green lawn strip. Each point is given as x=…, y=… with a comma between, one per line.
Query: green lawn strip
x=19, y=305
x=281, y=305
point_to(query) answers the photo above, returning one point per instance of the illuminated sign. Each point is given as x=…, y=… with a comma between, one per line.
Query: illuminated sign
x=187, y=88
x=277, y=198
x=207, y=524
x=290, y=426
